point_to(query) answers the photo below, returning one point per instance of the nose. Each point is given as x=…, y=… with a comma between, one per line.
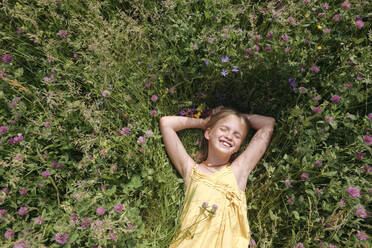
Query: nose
x=228, y=136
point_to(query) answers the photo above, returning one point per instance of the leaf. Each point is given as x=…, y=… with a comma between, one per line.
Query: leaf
x=73, y=237
x=296, y=215
x=135, y=182
x=330, y=173
x=272, y=215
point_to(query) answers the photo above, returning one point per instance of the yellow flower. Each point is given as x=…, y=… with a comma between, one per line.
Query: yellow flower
x=307, y=15
x=319, y=27
x=198, y=115
x=319, y=47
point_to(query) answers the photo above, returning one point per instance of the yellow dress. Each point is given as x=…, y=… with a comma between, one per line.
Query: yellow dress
x=228, y=227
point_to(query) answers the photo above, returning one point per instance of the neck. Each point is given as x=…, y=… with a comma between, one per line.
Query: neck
x=214, y=163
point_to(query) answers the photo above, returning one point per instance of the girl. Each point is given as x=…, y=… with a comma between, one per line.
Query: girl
x=215, y=210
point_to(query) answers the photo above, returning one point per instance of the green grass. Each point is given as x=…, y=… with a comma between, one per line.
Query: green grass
x=136, y=49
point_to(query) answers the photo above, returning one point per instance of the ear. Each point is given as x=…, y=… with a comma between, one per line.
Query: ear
x=207, y=133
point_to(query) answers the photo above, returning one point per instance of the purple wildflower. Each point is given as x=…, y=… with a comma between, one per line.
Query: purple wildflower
x=9, y=234
x=335, y=98
x=154, y=98
x=225, y=59
x=62, y=33
x=361, y=212
x=359, y=24
x=290, y=200
x=359, y=156
x=5, y=129
x=304, y=176
x=327, y=31
x=269, y=35
x=19, y=156
x=336, y=17
x=23, y=211
x=206, y=62
x=248, y=53
x=85, y=222
x=118, y=208
x=320, y=15
x=105, y=93
x=362, y=235
x=257, y=48
x=39, y=220
x=153, y=112
x=19, y=31
x=235, y=69
x=61, y=238
x=268, y=48
x=369, y=117
x=299, y=245
x=47, y=124
x=125, y=131
x=76, y=55
x=23, y=191
x=74, y=218
x=287, y=181
x=367, y=139
x=302, y=90
x=328, y=119
x=113, y=237
x=214, y=207
x=141, y=140
x=353, y=192
x=224, y=73
x=205, y=204
x=317, y=109
x=314, y=69
x=6, y=58
x=149, y=133
x=47, y=79
x=346, y=5
x=45, y=174
x=97, y=223
x=20, y=244
x=285, y=37
x=100, y=211
x=367, y=168
x=319, y=191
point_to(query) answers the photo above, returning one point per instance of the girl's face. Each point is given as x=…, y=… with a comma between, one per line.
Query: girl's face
x=226, y=136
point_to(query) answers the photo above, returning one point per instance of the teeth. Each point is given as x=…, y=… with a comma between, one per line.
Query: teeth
x=226, y=144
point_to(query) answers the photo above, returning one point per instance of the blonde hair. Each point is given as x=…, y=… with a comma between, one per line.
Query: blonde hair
x=214, y=118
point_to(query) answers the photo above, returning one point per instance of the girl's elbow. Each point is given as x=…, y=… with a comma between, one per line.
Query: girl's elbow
x=164, y=121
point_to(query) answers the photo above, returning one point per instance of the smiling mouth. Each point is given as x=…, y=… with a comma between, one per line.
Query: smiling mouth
x=225, y=143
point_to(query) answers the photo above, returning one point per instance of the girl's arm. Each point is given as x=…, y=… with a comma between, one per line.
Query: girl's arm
x=257, y=146
x=169, y=125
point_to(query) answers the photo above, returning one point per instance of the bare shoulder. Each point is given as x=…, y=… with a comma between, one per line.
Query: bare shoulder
x=244, y=164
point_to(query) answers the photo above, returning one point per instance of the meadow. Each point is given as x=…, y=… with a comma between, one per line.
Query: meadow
x=83, y=85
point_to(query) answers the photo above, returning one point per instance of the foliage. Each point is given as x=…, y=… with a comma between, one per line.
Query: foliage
x=84, y=83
